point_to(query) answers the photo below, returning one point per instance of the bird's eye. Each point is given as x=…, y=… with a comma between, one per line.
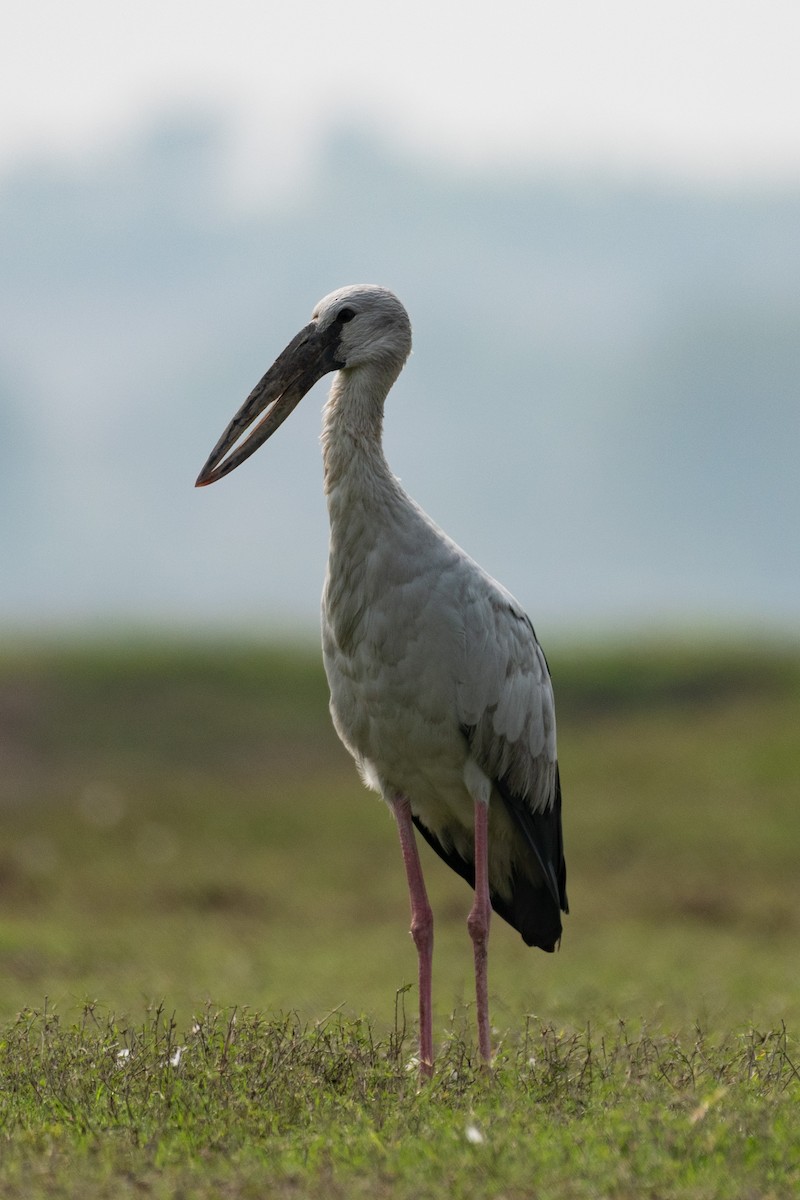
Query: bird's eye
x=344, y=315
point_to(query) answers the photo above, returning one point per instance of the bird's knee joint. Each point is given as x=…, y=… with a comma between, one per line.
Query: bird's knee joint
x=478, y=926
x=422, y=931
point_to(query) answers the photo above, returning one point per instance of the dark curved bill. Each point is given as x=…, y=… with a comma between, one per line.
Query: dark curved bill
x=306, y=359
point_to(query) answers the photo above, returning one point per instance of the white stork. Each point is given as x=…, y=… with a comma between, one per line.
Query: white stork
x=439, y=688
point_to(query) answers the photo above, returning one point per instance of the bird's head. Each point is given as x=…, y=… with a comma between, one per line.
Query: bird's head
x=371, y=324
x=354, y=328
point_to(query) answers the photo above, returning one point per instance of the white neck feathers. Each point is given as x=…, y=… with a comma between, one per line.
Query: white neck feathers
x=352, y=429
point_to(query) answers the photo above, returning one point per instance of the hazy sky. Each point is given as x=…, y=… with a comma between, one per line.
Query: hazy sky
x=707, y=88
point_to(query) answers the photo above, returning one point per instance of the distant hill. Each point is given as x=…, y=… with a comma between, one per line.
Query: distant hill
x=602, y=407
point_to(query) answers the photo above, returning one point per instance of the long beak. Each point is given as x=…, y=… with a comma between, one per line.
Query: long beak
x=306, y=359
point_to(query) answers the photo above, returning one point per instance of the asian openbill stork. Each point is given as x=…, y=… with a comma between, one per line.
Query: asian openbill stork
x=439, y=688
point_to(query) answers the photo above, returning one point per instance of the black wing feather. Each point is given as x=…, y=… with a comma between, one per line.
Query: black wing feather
x=537, y=897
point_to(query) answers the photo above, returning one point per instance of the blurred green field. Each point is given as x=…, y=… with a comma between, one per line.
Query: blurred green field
x=180, y=825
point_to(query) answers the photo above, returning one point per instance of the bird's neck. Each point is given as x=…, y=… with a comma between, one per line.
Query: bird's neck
x=352, y=428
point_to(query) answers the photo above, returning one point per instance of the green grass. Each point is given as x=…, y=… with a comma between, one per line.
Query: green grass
x=249, y=1106
x=189, y=860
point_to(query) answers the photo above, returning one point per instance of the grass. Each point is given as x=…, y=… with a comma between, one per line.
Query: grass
x=243, y=1105
x=215, y=912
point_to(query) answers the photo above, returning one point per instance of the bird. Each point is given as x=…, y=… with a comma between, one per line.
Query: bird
x=438, y=685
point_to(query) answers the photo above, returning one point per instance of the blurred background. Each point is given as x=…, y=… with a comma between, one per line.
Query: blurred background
x=592, y=213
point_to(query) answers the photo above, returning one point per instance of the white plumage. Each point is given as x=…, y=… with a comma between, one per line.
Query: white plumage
x=438, y=685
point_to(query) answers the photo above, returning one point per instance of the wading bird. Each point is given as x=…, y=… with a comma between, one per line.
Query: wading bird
x=439, y=688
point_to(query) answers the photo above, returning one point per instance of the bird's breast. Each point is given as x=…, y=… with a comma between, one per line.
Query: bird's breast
x=392, y=650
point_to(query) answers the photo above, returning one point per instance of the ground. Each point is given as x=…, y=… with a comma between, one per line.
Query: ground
x=204, y=947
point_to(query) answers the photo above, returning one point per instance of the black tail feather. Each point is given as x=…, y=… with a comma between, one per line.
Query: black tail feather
x=542, y=833
x=538, y=897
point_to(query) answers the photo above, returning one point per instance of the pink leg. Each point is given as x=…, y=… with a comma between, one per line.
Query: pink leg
x=421, y=928
x=478, y=925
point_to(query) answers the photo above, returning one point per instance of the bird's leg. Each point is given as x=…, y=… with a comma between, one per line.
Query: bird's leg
x=478, y=926
x=421, y=928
